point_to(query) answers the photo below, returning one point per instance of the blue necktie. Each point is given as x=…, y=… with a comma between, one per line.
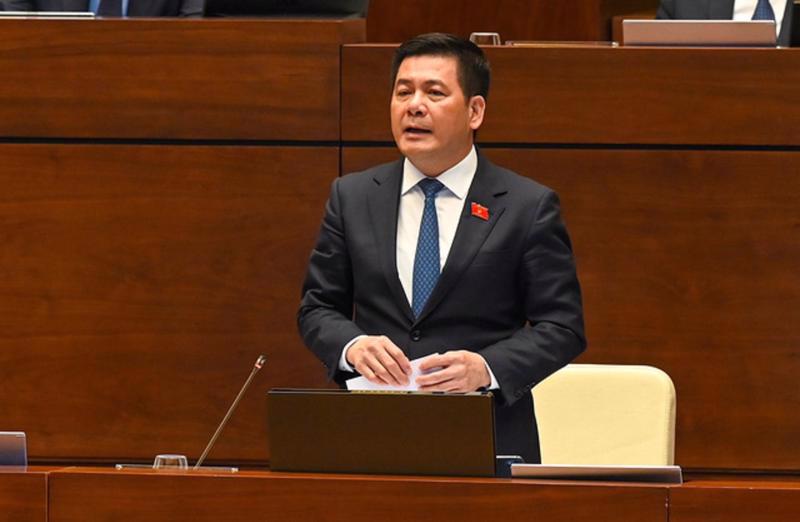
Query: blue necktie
x=110, y=8
x=764, y=11
x=426, y=260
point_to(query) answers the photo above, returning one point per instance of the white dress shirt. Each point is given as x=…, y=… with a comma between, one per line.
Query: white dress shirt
x=744, y=9
x=449, y=206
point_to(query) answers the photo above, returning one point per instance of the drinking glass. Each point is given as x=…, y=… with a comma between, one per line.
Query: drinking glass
x=170, y=461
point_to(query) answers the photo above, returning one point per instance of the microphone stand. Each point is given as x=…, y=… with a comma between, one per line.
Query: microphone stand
x=257, y=366
x=178, y=458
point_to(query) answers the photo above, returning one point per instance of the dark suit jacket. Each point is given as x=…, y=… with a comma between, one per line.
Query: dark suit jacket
x=193, y=8
x=716, y=10
x=508, y=290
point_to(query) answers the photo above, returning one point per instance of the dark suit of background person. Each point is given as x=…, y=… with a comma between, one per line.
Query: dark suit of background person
x=508, y=290
x=144, y=8
x=716, y=10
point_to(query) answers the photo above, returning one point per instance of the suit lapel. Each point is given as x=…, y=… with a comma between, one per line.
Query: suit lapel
x=472, y=231
x=785, y=37
x=383, y=203
x=720, y=9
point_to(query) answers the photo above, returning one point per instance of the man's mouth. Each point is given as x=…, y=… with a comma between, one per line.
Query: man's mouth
x=417, y=130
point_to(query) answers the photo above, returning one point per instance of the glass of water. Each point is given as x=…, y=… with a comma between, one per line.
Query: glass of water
x=170, y=461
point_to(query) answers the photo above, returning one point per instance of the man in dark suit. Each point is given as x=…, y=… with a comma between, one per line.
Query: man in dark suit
x=145, y=8
x=780, y=11
x=445, y=253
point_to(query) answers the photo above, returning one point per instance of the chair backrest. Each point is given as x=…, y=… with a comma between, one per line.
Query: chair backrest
x=606, y=415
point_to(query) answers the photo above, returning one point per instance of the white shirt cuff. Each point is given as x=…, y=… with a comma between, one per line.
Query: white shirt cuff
x=494, y=385
x=344, y=365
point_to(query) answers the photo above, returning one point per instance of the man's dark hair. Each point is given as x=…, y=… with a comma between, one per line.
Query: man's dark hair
x=473, y=67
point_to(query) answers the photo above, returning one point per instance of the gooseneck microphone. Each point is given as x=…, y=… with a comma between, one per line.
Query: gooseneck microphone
x=257, y=366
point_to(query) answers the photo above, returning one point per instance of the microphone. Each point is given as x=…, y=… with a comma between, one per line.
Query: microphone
x=257, y=366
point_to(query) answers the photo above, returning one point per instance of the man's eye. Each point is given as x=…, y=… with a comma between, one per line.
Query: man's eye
x=437, y=94
x=403, y=93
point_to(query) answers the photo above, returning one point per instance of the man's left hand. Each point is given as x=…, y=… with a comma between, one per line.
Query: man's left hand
x=458, y=371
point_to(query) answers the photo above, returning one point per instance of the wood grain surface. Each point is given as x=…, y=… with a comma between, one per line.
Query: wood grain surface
x=106, y=495
x=609, y=96
x=735, y=501
x=151, y=250
x=23, y=496
x=140, y=283
x=172, y=79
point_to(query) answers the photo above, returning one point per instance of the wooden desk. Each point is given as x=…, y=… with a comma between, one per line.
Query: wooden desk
x=606, y=96
x=172, y=79
x=77, y=495
x=743, y=499
x=81, y=494
x=23, y=495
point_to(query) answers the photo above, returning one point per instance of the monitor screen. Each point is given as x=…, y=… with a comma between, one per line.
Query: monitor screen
x=13, y=449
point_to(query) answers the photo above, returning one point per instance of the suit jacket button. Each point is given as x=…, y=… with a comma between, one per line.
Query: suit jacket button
x=416, y=335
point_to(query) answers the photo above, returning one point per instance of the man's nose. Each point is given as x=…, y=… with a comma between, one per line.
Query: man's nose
x=416, y=105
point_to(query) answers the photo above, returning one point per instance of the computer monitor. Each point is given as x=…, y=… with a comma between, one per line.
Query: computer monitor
x=706, y=33
x=45, y=15
x=13, y=449
x=287, y=8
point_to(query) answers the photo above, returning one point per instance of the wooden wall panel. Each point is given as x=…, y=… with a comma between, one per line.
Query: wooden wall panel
x=366, y=92
x=139, y=283
x=392, y=21
x=606, y=96
x=171, y=79
x=83, y=495
x=23, y=496
x=688, y=261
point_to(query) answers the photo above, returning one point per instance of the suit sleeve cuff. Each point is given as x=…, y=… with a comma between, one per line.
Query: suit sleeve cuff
x=494, y=384
x=345, y=366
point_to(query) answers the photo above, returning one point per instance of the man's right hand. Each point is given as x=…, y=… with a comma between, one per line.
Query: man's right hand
x=379, y=360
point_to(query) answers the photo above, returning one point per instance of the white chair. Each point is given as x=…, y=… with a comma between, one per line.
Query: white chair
x=606, y=415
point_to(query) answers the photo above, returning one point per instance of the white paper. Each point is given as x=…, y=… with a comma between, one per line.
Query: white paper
x=362, y=384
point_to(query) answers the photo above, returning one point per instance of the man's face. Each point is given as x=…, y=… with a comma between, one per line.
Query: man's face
x=432, y=122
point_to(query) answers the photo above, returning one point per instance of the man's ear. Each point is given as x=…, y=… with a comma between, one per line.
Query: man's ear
x=477, y=108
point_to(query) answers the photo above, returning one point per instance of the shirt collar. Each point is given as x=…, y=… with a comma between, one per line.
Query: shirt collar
x=456, y=179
